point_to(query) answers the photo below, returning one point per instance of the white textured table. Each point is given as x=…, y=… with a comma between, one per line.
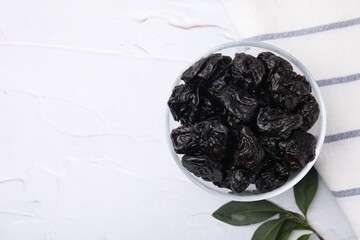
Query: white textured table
x=82, y=101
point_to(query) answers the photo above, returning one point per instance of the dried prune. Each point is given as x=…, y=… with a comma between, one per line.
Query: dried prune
x=188, y=107
x=205, y=110
x=277, y=123
x=263, y=97
x=204, y=167
x=191, y=73
x=273, y=63
x=217, y=68
x=206, y=69
x=225, y=182
x=185, y=140
x=248, y=152
x=287, y=88
x=273, y=175
x=217, y=86
x=309, y=109
x=239, y=180
x=207, y=137
x=239, y=106
x=183, y=103
x=247, y=71
x=255, y=172
x=214, y=136
x=299, y=150
x=271, y=147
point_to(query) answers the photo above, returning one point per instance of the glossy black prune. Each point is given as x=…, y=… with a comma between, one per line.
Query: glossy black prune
x=239, y=180
x=273, y=63
x=287, y=88
x=188, y=106
x=183, y=103
x=204, y=138
x=309, y=109
x=190, y=74
x=247, y=71
x=299, y=150
x=225, y=182
x=206, y=69
x=185, y=140
x=248, y=152
x=205, y=110
x=217, y=86
x=264, y=98
x=218, y=68
x=277, y=123
x=273, y=175
x=271, y=147
x=214, y=137
x=239, y=106
x=204, y=167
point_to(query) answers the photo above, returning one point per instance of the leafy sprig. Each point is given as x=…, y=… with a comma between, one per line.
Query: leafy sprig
x=246, y=213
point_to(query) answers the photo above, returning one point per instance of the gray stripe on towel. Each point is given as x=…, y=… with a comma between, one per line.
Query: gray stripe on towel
x=346, y=193
x=306, y=31
x=342, y=136
x=338, y=80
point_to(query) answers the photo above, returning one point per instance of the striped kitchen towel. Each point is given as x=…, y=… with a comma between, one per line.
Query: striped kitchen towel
x=325, y=36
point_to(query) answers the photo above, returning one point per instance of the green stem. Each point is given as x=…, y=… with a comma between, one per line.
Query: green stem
x=314, y=231
x=305, y=222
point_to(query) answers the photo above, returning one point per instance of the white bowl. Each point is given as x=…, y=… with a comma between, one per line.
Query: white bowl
x=318, y=130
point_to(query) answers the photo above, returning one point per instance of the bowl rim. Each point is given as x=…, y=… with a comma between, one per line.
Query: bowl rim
x=320, y=140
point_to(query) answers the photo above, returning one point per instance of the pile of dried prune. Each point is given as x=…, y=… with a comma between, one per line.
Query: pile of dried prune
x=244, y=121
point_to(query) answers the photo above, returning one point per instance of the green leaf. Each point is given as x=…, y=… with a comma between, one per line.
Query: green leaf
x=305, y=190
x=246, y=213
x=268, y=230
x=304, y=237
x=288, y=227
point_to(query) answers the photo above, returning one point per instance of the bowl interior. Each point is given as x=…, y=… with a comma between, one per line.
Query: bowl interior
x=318, y=130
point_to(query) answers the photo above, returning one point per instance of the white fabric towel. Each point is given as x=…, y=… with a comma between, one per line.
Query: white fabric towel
x=325, y=36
